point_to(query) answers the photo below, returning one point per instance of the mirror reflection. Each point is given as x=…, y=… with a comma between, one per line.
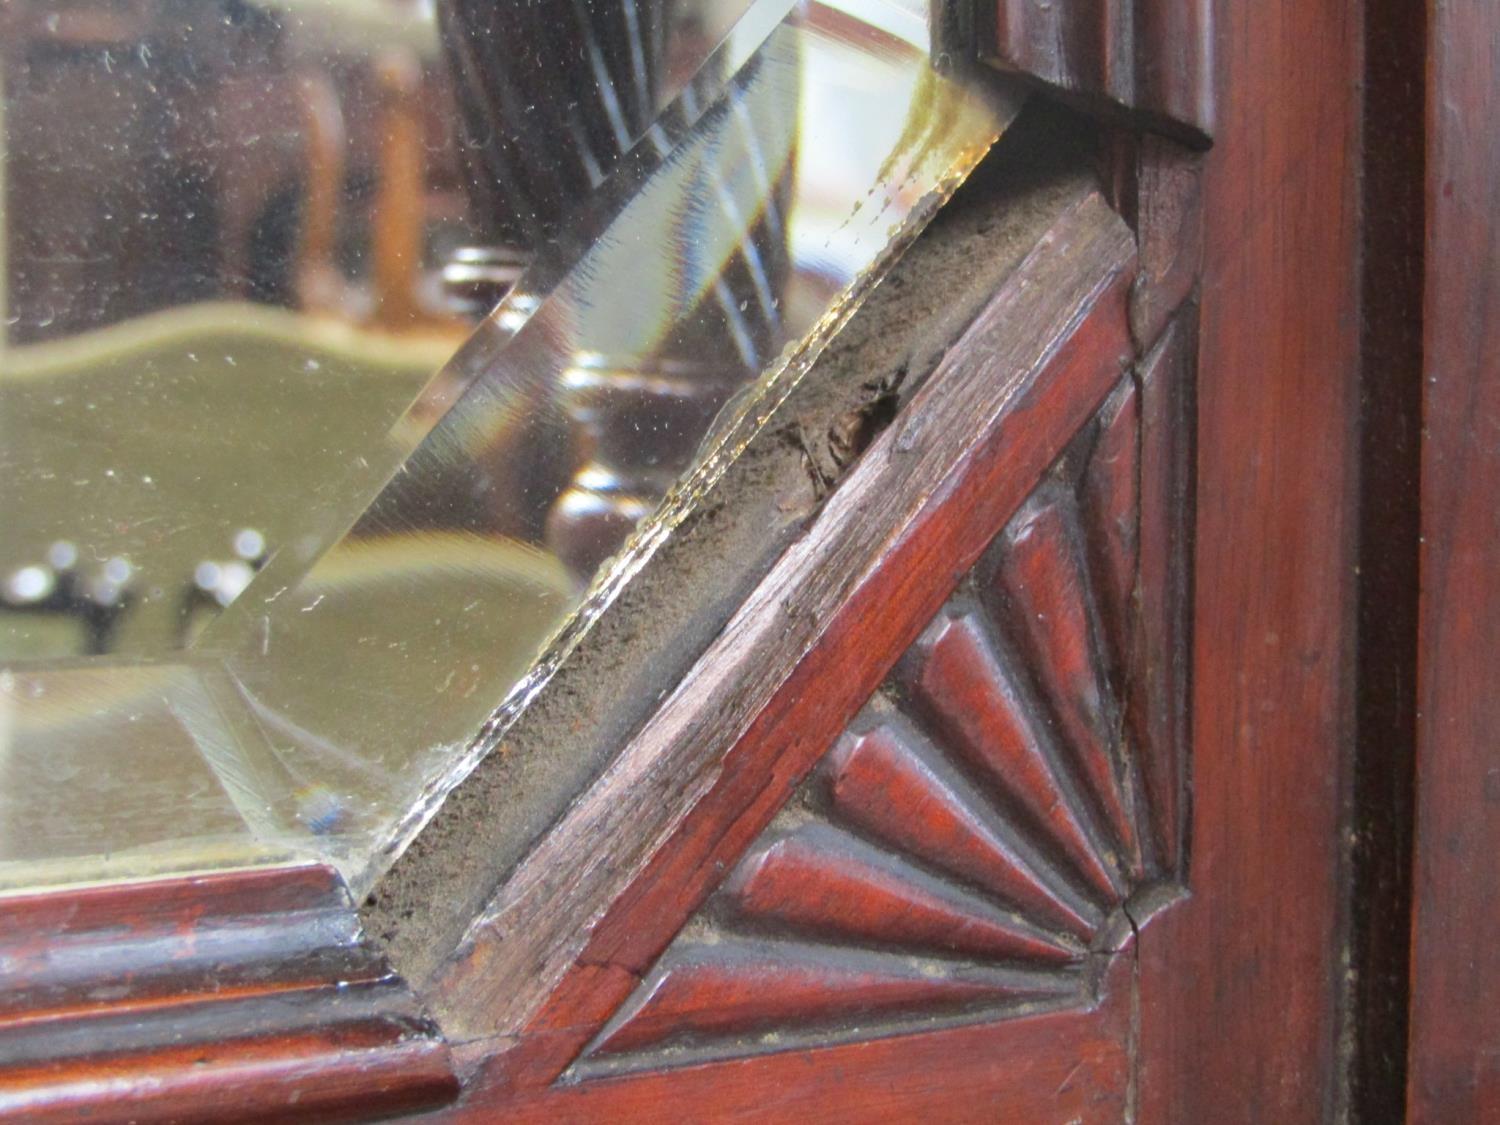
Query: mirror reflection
x=354, y=353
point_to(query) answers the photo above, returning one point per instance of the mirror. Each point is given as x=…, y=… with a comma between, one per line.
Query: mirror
x=356, y=354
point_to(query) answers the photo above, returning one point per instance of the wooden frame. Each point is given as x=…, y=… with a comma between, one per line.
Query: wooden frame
x=1230, y=1002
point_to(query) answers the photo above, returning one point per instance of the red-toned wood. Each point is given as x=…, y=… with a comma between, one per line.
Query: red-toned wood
x=1063, y=1067
x=1455, y=1022
x=947, y=475
x=827, y=882
x=958, y=678
x=1166, y=202
x=241, y=995
x=1392, y=186
x=1154, y=57
x=1047, y=596
x=936, y=810
x=1240, y=985
x=729, y=989
x=1111, y=515
x=1160, y=637
x=885, y=781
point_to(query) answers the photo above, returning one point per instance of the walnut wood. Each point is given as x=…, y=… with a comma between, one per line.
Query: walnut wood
x=719, y=757
x=241, y=996
x=1152, y=57
x=1240, y=984
x=1455, y=1027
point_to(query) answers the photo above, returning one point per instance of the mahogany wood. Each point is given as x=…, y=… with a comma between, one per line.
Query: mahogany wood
x=1063, y=1067
x=1240, y=985
x=239, y=996
x=947, y=862
x=1391, y=197
x=825, y=881
x=724, y=750
x=1455, y=1022
x=1227, y=1008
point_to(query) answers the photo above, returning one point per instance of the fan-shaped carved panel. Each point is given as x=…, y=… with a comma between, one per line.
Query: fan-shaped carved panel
x=989, y=830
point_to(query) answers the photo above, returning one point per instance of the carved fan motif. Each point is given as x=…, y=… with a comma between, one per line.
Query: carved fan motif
x=969, y=847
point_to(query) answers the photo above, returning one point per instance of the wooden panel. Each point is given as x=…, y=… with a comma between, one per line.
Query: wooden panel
x=1153, y=57
x=1062, y=1067
x=241, y=996
x=831, y=883
x=1240, y=985
x=1455, y=1023
x=957, y=856
x=1392, y=185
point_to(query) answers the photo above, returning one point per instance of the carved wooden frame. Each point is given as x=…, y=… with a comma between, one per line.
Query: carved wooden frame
x=1042, y=471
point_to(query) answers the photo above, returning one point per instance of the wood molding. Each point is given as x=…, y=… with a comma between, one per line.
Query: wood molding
x=1240, y=985
x=1455, y=966
x=978, y=841
x=1071, y=1066
x=1151, y=58
x=237, y=996
x=567, y=939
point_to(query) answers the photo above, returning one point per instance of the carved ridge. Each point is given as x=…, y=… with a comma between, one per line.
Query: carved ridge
x=980, y=823
x=250, y=989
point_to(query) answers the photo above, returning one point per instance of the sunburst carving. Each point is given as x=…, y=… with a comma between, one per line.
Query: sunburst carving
x=967, y=848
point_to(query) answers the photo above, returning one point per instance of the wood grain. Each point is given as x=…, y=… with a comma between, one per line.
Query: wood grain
x=240, y=995
x=1455, y=1023
x=1046, y=592
x=1240, y=985
x=1151, y=57
x=957, y=677
x=688, y=796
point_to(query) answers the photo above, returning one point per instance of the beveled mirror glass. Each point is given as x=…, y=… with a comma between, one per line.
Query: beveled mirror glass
x=356, y=354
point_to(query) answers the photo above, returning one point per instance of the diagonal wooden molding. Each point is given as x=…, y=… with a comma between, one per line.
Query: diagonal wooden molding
x=565, y=940
x=974, y=845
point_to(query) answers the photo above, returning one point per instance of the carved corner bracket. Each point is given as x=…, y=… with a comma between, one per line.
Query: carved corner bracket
x=932, y=775
x=1003, y=813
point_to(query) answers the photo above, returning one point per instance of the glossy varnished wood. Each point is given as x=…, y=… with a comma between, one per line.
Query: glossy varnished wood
x=240, y=996
x=1455, y=1022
